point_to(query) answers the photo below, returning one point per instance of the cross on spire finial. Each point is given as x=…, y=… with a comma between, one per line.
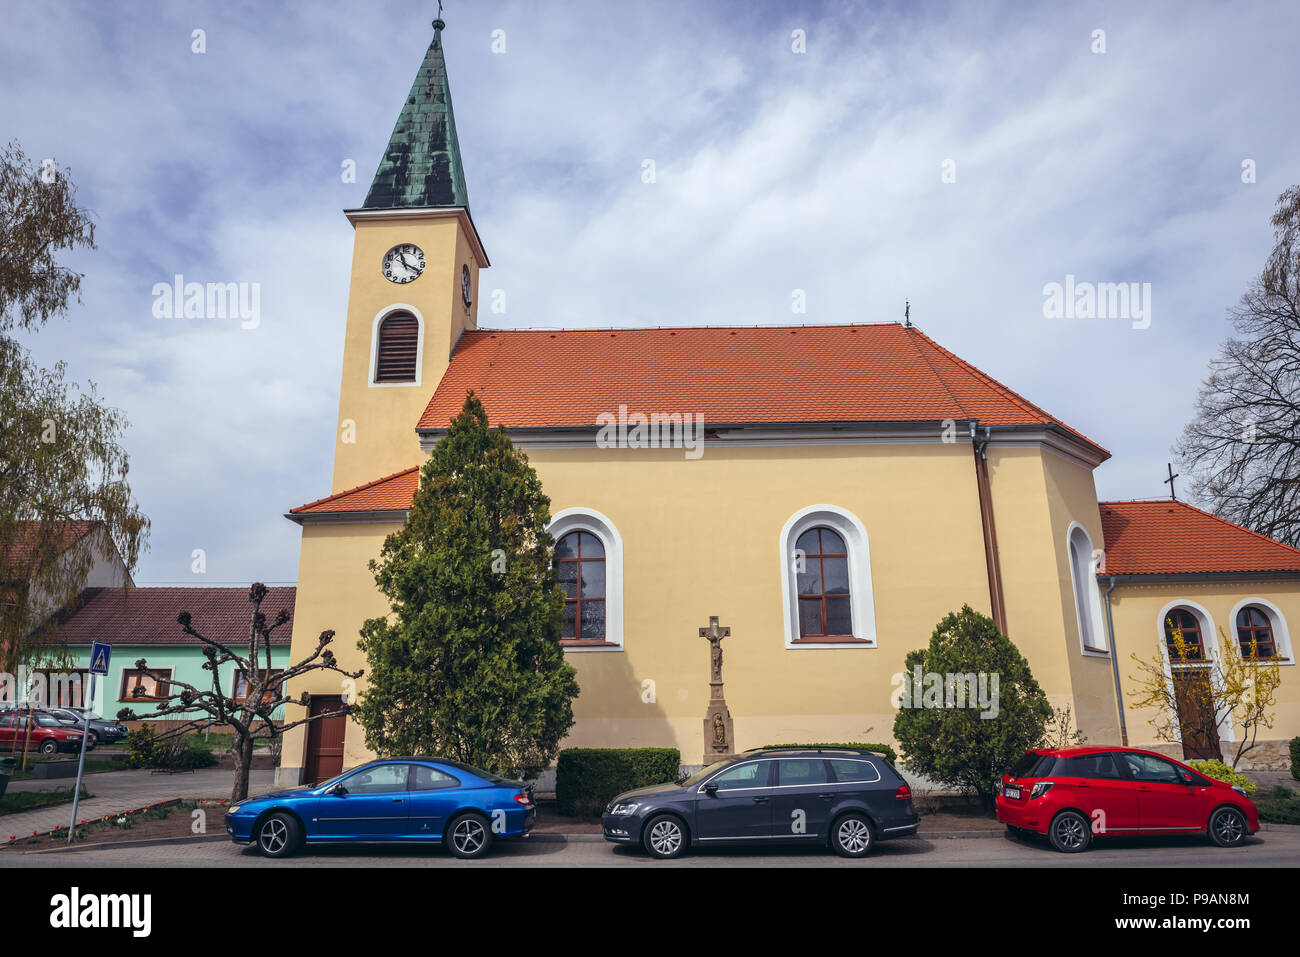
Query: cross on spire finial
x=438, y=23
x=1170, y=481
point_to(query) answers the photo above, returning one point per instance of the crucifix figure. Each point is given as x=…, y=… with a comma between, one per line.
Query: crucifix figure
x=1170, y=481
x=719, y=730
x=715, y=636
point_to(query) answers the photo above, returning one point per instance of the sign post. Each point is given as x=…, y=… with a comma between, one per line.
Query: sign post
x=100, y=652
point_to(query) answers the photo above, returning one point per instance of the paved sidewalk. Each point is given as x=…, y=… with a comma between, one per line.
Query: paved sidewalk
x=117, y=791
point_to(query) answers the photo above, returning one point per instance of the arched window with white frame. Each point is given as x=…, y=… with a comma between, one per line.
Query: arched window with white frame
x=396, y=346
x=1261, y=622
x=589, y=567
x=1087, y=595
x=826, y=580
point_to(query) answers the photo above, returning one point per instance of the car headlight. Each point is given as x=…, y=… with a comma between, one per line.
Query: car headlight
x=1240, y=790
x=624, y=809
x=235, y=808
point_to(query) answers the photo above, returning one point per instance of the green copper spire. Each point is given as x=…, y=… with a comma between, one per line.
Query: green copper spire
x=422, y=165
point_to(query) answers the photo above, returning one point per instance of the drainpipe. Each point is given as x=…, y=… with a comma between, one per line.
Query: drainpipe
x=1114, y=664
x=986, y=522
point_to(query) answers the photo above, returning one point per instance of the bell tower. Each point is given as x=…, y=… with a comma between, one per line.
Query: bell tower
x=416, y=258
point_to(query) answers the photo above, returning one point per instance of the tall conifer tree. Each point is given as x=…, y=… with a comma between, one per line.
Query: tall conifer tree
x=468, y=665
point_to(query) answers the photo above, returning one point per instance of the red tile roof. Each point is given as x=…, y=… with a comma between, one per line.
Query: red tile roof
x=385, y=494
x=16, y=554
x=1163, y=537
x=147, y=616
x=767, y=374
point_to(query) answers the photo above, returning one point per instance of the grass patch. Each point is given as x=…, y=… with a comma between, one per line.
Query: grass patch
x=19, y=801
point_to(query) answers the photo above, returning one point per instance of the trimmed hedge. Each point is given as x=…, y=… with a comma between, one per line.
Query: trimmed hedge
x=882, y=749
x=1284, y=808
x=1295, y=757
x=586, y=778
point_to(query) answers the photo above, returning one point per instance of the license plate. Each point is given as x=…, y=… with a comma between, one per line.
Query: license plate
x=1013, y=793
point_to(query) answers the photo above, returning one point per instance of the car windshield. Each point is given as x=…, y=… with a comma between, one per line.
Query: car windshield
x=1032, y=765
x=701, y=774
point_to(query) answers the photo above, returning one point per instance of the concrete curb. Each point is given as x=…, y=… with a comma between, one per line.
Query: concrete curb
x=119, y=845
x=545, y=838
x=1270, y=826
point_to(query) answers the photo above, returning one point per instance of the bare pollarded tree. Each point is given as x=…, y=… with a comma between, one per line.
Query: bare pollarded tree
x=1243, y=447
x=248, y=718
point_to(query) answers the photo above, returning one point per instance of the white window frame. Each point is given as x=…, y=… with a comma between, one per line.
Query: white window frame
x=1091, y=595
x=861, y=599
x=380, y=316
x=589, y=520
x=1281, y=635
x=1213, y=662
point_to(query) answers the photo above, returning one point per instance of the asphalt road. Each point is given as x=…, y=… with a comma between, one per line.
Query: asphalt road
x=1266, y=849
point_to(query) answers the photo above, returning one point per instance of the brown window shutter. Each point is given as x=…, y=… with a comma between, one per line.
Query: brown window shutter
x=399, y=337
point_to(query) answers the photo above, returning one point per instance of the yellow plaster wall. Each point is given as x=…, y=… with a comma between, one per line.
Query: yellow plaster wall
x=385, y=415
x=1137, y=612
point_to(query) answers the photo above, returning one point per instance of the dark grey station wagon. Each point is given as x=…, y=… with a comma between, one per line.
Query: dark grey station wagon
x=845, y=798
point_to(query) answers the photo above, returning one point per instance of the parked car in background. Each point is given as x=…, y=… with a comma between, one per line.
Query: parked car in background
x=842, y=797
x=48, y=734
x=1073, y=795
x=390, y=801
x=102, y=730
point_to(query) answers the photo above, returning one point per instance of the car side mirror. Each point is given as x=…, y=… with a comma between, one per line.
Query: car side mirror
x=337, y=790
x=711, y=789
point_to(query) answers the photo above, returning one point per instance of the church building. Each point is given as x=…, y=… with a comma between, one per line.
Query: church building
x=828, y=492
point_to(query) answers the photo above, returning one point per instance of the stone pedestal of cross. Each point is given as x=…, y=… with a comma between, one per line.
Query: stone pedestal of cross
x=719, y=730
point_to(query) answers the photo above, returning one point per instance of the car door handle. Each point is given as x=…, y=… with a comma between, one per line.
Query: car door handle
x=761, y=800
x=397, y=800
x=1083, y=784
x=827, y=797
x=1141, y=787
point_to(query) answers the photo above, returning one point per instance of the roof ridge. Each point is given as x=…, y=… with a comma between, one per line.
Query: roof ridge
x=1009, y=393
x=787, y=326
x=359, y=488
x=926, y=359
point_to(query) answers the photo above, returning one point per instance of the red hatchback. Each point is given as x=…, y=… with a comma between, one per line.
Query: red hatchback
x=1075, y=794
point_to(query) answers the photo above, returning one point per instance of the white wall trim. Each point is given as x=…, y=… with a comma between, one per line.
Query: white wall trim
x=1281, y=634
x=589, y=520
x=1210, y=639
x=380, y=316
x=861, y=599
x=1092, y=595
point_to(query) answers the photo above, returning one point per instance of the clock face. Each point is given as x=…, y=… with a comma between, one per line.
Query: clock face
x=403, y=263
x=464, y=284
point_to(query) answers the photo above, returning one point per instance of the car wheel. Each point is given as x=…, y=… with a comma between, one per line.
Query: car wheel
x=49, y=746
x=1227, y=827
x=468, y=836
x=664, y=837
x=853, y=836
x=279, y=835
x=1070, y=832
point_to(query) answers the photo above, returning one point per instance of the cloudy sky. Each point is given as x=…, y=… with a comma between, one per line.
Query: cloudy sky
x=776, y=170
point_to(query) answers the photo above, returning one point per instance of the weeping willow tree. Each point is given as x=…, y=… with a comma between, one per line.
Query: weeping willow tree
x=64, y=498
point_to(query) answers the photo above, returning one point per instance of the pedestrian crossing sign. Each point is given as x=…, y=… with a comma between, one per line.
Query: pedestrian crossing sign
x=99, y=655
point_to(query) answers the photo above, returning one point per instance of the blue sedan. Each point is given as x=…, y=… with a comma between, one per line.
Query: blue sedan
x=389, y=801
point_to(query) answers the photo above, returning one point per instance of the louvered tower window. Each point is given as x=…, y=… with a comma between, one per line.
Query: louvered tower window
x=399, y=338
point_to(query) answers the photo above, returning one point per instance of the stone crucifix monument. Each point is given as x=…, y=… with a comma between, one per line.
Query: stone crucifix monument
x=719, y=732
